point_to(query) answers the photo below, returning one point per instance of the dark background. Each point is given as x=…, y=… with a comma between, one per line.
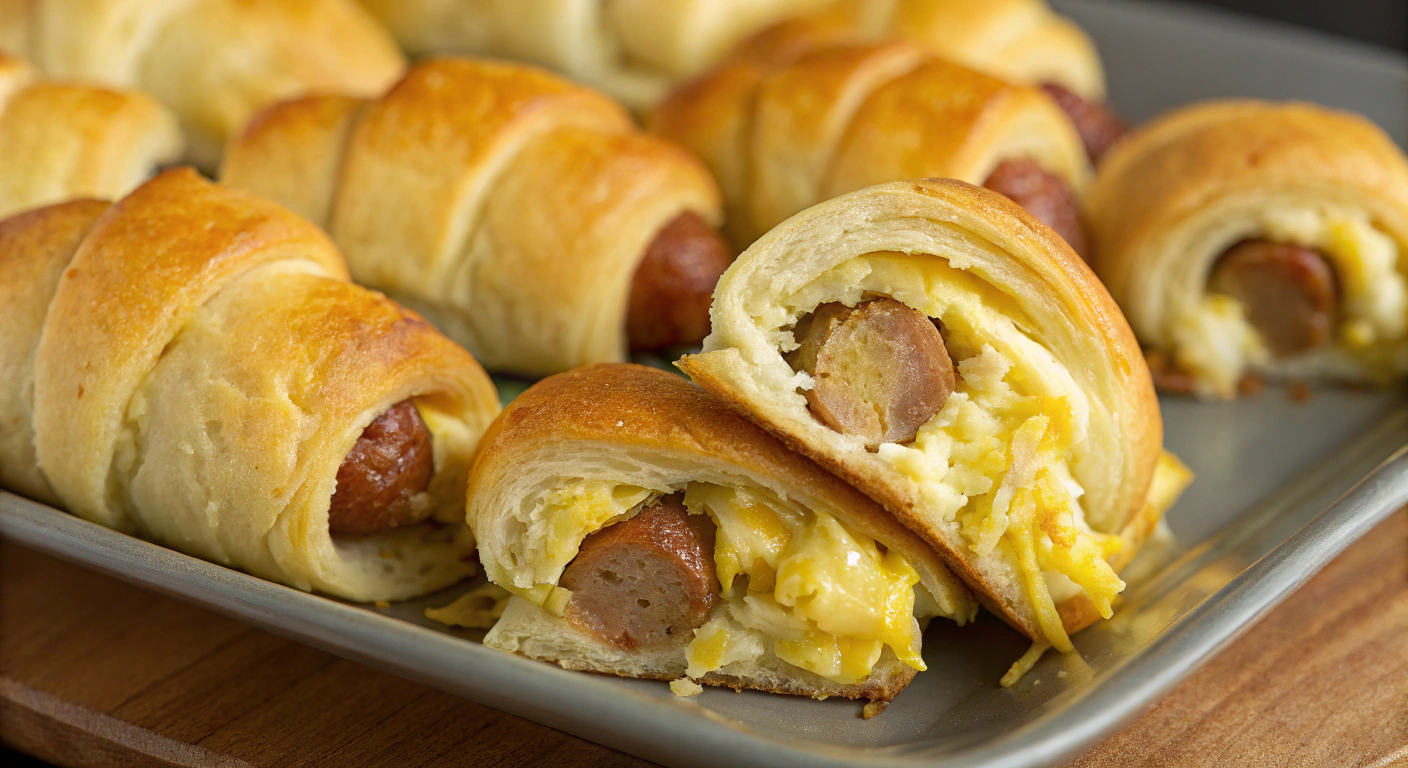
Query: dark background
x=1381, y=22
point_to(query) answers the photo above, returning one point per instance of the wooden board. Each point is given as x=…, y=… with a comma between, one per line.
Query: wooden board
x=97, y=672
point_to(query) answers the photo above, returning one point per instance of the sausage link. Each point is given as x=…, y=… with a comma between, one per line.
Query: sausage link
x=1098, y=127
x=674, y=284
x=647, y=580
x=1045, y=195
x=380, y=482
x=1291, y=293
x=879, y=371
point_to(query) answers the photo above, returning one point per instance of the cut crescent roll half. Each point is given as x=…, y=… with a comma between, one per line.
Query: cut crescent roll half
x=785, y=126
x=191, y=364
x=1248, y=237
x=939, y=348
x=647, y=530
x=212, y=62
x=524, y=215
x=62, y=140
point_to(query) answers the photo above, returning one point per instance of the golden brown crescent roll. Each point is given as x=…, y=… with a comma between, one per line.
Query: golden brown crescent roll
x=1020, y=41
x=62, y=141
x=191, y=364
x=1035, y=467
x=631, y=49
x=1246, y=237
x=787, y=125
x=213, y=62
x=648, y=530
x=525, y=216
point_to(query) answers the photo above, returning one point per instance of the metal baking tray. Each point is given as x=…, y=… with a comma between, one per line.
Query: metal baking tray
x=1282, y=488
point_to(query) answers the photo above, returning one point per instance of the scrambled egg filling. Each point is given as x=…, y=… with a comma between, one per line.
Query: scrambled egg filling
x=993, y=461
x=556, y=526
x=828, y=598
x=1214, y=341
x=820, y=595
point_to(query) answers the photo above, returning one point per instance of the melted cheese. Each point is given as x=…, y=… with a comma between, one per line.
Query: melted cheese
x=993, y=460
x=1214, y=341
x=830, y=599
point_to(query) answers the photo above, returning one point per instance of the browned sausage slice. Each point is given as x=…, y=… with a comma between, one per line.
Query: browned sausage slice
x=1290, y=293
x=879, y=371
x=1045, y=195
x=1098, y=127
x=390, y=463
x=674, y=284
x=646, y=580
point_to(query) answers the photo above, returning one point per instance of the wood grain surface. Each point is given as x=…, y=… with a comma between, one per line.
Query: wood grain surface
x=97, y=672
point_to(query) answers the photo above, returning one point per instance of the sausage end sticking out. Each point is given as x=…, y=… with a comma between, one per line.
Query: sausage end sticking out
x=387, y=468
x=647, y=580
x=1291, y=293
x=879, y=370
x=674, y=284
x=1045, y=195
x=1098, y=127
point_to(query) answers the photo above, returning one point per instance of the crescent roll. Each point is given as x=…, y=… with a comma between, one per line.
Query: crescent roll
x=631, y=49
x=784, y=127
x=62, y=141
x=212, y=62
x=1251, y=238
x=647, y=530
x=191, y=364
x=936, y=346
x=1022, y=41
x=523, y=215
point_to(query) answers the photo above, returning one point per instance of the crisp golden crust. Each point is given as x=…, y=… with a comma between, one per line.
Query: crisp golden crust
x=459, y=191
x=292, y=153
x=35, y=248
x=1216, y=154
x=215, y=62
x=783, y=132
x=187, y=238
x=202, y=367
x=1066, y=309
x=62, y=140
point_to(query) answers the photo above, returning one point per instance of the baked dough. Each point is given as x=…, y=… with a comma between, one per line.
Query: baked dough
x=1037, y=478
x=505, y=204
x=586, y=449
x=631, y=49
x=1182, y=190
x=212, y=62
x=1022, y=41
x=788, y=124
x=191, y=364
x=62, y=141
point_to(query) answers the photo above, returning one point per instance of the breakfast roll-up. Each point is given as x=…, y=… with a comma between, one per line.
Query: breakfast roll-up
x=1247, y=237
x=647, y=530
x=191, y=364
x=789, y=123
x=935, y=345
x=526, y=216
